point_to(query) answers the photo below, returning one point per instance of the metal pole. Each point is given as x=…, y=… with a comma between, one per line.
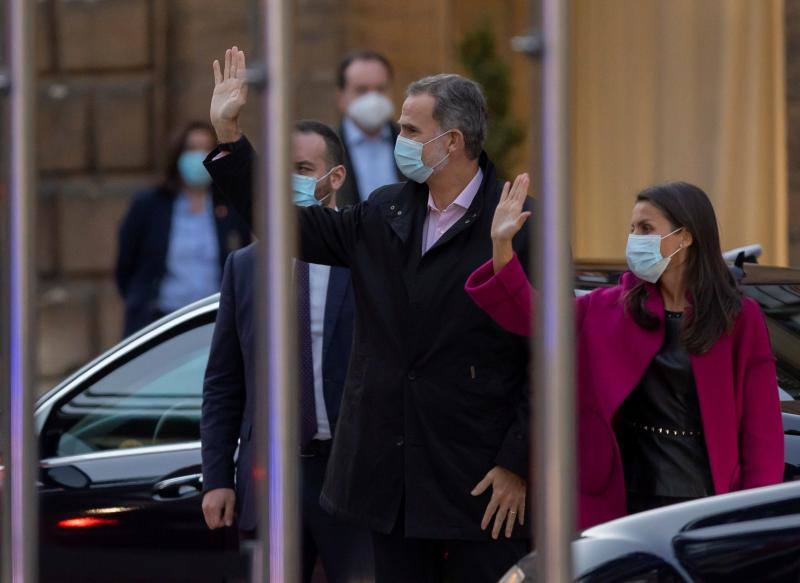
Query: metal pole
x=20, y=527
x=277, y=554
x=554, y=440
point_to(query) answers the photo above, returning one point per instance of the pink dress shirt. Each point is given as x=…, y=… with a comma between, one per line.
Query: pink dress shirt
x=438, y=222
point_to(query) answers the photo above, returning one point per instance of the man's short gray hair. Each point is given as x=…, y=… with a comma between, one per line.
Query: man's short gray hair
x=460, y=105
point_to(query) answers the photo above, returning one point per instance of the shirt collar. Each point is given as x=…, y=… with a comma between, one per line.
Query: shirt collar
x=355, y=136
x=464, y=200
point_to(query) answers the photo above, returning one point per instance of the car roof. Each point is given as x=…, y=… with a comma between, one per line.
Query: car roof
x=197, y=308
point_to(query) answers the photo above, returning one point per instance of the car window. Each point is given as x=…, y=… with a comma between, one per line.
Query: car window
x=153, y=399
x=781, y=307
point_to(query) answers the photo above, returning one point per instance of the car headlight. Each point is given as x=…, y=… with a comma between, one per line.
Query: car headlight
x=514, y=575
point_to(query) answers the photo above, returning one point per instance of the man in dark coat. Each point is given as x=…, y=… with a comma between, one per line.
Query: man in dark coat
x=432, y=443
x=325, y=321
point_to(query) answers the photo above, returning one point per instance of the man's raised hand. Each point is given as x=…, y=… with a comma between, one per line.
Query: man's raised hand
x=230, y=95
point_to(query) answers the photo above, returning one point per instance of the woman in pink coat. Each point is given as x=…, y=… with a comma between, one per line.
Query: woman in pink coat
x=677, y=393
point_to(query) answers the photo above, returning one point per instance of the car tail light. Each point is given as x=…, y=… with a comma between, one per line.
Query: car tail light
x=87, y=522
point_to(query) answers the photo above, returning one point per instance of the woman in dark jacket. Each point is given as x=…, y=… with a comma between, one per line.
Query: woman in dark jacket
x=175, y=237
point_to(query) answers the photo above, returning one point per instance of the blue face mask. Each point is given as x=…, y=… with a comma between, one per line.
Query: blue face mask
x=304, y=189
x=191, y=169
x=408, y=156
x=644, y=256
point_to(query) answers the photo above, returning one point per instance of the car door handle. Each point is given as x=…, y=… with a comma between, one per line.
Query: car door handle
x=179, y=488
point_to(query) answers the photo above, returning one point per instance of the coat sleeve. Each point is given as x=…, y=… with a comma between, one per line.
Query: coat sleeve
x=506, y=296
x=129, y=239
x=223, y=392
x=761, y=430
x=233, y=177
x=326, y=236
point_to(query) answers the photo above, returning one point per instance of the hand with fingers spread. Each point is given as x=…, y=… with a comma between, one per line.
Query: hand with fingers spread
x=508, y=220
x=230, y=95
x=507, y=504
x=218, y=507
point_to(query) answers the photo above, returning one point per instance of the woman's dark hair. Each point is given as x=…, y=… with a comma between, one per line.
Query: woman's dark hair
x=715, y=298
x=172, y=177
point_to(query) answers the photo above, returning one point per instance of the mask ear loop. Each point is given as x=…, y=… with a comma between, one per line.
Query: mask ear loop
x=323, y=177
x=446, y=156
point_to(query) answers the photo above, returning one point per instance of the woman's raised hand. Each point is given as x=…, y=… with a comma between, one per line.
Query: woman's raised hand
x=509, y=216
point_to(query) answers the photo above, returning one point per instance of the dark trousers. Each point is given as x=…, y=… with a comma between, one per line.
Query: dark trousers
x=402, y=560
x=345, y=551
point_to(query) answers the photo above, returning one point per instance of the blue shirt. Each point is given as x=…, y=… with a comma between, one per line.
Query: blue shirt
x=193, y=270
x=372, y=157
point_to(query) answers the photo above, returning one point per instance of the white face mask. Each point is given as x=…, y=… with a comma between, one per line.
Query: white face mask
x=371, y=110
x=644, y=256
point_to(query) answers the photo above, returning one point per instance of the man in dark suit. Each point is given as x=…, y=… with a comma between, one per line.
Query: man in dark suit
x=368, y=132
x=431, y=450
x=325, y=330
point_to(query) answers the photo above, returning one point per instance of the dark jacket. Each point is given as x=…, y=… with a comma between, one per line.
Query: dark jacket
x=436, y=393
x=143, y=243
x=348, y=194
x=229, y=390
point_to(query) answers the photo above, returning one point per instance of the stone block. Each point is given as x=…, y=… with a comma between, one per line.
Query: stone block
x=64, y=323
x=44, y=28
x=46, y=241
x=87, y=231
x=62, y=119
x=112, y=34
x=122, y=125
x=110, y=314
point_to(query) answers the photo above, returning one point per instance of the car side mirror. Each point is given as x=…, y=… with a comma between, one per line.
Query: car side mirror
x=70, y=477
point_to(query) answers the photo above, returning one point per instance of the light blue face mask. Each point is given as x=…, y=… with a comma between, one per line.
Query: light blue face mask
x=644, y=256
x=191, y=169
x=304, y=189
x=408, y=156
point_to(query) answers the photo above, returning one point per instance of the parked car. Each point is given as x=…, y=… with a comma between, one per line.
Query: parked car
x=744, y=536
x=120, y=480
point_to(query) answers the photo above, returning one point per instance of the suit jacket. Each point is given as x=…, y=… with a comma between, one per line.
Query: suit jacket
x=143, y=244
x=348, y=194
x=436, y=393
x=229, y=389
x=736, y=386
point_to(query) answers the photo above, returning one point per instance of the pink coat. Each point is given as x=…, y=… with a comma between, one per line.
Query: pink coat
x=736, y=386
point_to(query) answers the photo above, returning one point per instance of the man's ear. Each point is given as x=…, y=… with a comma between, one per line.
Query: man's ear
x=338, y=176
x=456, y=141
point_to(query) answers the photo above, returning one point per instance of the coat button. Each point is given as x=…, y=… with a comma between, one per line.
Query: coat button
x=399, y=442
x=394, y=206
x=412, y=375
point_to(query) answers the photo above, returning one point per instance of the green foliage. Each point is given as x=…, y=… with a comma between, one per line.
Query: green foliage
x=478, y=54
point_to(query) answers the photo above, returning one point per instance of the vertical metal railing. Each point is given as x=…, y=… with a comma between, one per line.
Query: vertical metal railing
x=277, y=554
x=554, y=437
x=19, y=536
